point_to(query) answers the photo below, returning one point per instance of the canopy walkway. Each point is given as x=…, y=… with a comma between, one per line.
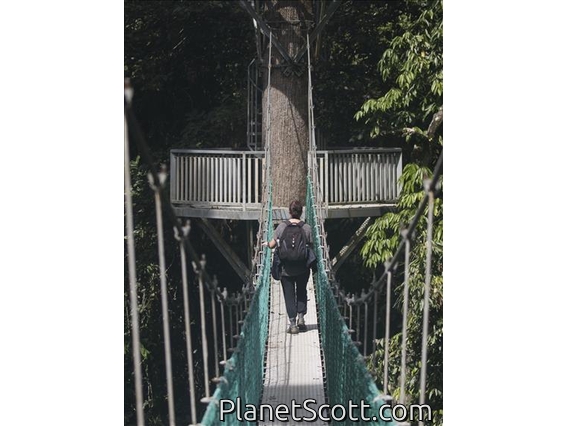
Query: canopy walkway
x=270, y=377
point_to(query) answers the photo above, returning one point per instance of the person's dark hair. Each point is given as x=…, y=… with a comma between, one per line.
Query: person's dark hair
x=296, y=209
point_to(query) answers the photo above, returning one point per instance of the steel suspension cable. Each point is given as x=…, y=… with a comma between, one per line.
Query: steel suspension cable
x=387, y=334
x=223, y=329
x=404, y=317
x=133, y=292
x=424, y=357
x=199, y=273
x=215, y=337
x=164, y=291
x=187, y=320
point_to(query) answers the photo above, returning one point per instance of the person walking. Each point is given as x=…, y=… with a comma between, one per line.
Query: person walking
x=292, y=240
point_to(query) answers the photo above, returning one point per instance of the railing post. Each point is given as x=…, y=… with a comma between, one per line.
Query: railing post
x=214, y=316
x=199, y=272
x=387, y=331
x=406, y=237
x=157, y=187
x=244, y=182
x=222, y=301
x=424, y=358
x=133, y=287
x=187, y=318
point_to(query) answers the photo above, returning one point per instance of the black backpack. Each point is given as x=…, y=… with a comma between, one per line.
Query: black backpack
x=293, y=246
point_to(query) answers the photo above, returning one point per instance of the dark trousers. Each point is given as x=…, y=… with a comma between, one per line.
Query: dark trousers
x=296, y=293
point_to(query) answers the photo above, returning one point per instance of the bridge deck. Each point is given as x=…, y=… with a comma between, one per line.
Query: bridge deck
x=294, y=368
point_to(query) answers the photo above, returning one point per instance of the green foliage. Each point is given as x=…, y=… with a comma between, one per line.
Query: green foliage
x=382, y=240
x=411, y=69
x=411, y=73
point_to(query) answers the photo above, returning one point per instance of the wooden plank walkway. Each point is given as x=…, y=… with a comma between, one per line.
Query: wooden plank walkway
x=294, y=368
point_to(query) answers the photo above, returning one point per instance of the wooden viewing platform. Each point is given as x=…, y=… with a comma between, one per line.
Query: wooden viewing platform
x=224, y=184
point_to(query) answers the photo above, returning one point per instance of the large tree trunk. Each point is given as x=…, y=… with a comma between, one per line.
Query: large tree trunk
x=289, y=21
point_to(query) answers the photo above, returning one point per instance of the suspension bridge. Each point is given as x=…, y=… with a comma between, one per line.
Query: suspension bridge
x=269, y=376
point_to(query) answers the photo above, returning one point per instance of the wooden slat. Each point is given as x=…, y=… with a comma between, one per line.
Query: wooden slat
x=195, y=179
x=390, y=179
x=342, y=181
x=184, y=166
x=202, y=178
x=256, y=181
x=249, y=180
x=326, y=171
x=217, y=178
x=187, y=179
x=336, y=178
x=178, y=178
x=235, y=180
x=349, y=177
x=193, y=185
x=369, y=193
x=241, y=183
x=212, y=171
x=223, y=168
x=227, y=191
x=375, y=179
x=360, y=166
x=183, y=182
x=321, y=177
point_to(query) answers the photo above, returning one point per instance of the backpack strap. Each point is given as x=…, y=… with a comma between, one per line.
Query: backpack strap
x=288, y=223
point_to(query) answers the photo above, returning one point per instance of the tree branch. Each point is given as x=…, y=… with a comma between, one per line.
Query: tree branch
x=435, y=123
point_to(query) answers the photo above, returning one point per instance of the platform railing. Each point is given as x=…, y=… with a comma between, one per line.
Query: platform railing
x=215, y=178
x=358, y=176
x=233, y=179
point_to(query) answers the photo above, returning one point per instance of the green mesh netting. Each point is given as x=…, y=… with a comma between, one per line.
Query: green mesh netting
x=347, y=376
x=243, y=374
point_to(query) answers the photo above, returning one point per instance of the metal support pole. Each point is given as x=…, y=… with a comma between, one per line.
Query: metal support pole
x=133, y=292
x=204, y=342
x=231, y=334
x=268, y=113
x=222, y=303
x=358, y=335
x=387, y=334
x=366, y=335
x=215, y=335
x=187, y=319
x=404, y=318
x=164, y=291
x=375, y=319
x=239, y=313
x=351, y=314
x=428, y=277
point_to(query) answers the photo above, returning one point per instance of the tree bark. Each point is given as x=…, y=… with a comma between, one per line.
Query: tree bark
x=289, y=21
